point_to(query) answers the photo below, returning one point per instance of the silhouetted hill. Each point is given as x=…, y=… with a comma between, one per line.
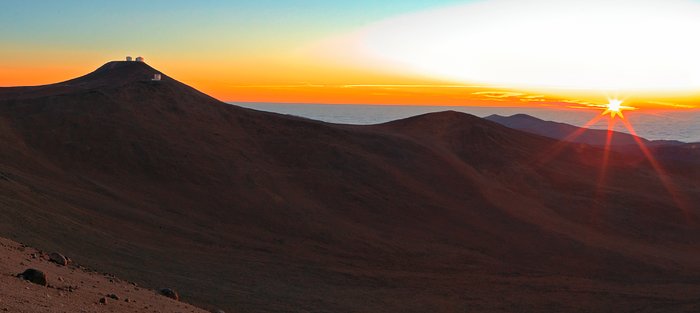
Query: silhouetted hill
x=563, y=131
x=260, y=212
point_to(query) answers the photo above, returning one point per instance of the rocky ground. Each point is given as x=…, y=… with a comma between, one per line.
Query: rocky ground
x=71, y=288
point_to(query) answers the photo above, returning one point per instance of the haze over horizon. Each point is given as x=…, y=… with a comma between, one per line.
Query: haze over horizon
x=323, y=52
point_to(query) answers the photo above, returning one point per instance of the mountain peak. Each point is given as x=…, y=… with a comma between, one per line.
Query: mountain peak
x=518, y=116
x=113, y=74
x=441, y=118
x=116, y=73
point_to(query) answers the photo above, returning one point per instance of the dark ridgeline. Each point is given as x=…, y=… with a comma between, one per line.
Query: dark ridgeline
x=561, y=131
x=259, y=212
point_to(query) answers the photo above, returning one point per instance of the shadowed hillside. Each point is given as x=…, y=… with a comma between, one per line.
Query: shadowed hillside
x=259, y=212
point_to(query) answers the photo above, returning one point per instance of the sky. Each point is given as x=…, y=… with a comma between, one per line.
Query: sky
x=480, y=52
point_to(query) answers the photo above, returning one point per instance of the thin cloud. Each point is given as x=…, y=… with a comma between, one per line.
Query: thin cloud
x=672, y=104
x=409, y=86
x=498, y=94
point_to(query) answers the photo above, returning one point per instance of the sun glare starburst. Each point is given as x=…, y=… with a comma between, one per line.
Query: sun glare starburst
x=614, y=108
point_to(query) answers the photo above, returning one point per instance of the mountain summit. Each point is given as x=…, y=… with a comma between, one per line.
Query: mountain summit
x=110, y=75
x=115, y=73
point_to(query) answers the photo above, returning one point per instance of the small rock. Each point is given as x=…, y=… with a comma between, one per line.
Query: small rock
x=35, y=276
x=58, y=258
x=170, y=293
x=113, y=296
x=218, y=311
x=103, y=300
x=127, y=300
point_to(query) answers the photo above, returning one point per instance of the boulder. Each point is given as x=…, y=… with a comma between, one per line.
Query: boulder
x=170, y=293
x=33, y=275
x=58, y=258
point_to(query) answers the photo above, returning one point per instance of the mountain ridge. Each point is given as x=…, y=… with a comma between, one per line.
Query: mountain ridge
x=562, y=131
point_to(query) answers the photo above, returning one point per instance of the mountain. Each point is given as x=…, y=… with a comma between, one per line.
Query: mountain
x=563, y=131
x=258, y=212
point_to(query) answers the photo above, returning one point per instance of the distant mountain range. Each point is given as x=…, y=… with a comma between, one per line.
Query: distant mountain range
x=563, y=131
x=259, y=212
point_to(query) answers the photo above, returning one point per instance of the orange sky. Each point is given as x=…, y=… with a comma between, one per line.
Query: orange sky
x=276, y=79
x=259, y=52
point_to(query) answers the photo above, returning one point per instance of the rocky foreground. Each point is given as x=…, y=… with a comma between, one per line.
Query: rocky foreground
x=70, y=288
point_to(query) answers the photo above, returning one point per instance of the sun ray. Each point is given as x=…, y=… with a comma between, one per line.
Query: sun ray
x=660, y=172
x=556, y=149
x=603, y=172
x=614, y=109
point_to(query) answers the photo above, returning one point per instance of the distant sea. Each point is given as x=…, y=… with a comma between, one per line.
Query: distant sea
x=654, y=125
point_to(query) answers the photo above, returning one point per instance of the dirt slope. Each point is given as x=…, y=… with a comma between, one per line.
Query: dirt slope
x=71, y=288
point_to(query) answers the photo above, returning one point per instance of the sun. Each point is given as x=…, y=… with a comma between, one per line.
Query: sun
x=614, y=107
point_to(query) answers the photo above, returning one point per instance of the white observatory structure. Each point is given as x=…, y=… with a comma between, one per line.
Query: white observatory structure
x=156, y=77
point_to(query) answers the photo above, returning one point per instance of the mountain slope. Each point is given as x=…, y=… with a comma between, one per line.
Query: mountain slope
x=259, y=212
